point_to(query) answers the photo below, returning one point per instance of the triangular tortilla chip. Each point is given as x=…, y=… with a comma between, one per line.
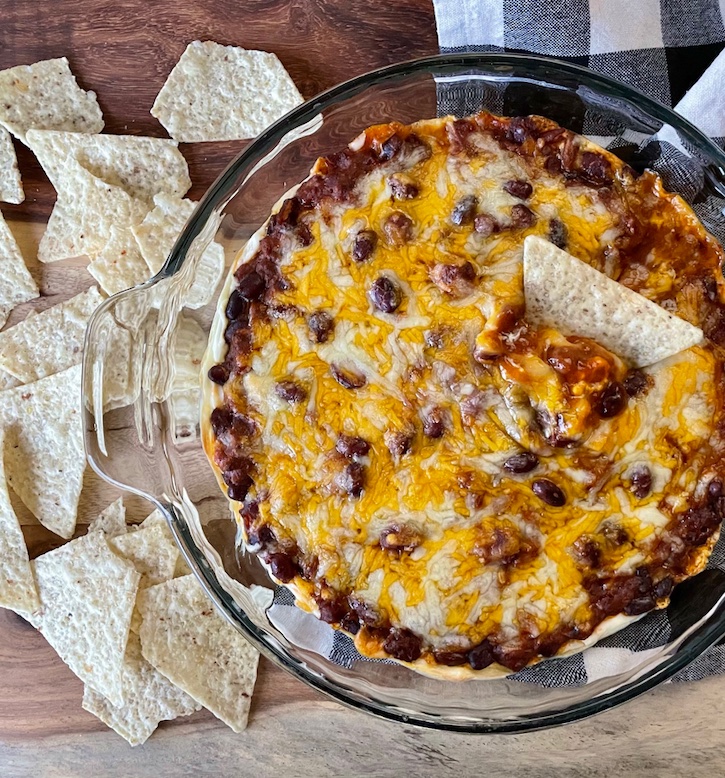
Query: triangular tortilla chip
x=156, y=236
x=223, y=93
x=111, y=521
x=148, y=699
x=186, y=640
x=139, y=166
x=16, y=283
x=120, y=264
x=150, y=551
x=46, y=96
x=85, y=216
x=565, y=293
x=44, y=456
x=11, y=187
x=49, y=342
x=17, y=586
x=87, y=595
x=160, y=228
x=158, y=519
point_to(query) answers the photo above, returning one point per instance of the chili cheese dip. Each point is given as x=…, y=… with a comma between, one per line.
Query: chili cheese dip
x=424, y=467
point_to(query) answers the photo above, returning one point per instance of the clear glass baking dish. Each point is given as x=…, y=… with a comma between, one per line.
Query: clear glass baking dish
x=143, y=443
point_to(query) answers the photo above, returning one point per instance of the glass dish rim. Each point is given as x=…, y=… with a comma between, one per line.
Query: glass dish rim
x=711, y=630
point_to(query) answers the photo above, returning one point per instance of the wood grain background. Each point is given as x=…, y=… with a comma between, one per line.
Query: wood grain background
x=124, y=50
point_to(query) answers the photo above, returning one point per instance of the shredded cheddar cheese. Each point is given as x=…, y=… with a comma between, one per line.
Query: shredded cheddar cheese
x=480, y=554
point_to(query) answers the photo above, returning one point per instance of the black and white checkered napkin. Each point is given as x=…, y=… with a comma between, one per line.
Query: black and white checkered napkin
x=673, y=51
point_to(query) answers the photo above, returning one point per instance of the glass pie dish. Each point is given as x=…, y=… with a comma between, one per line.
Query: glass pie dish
x=146, y=438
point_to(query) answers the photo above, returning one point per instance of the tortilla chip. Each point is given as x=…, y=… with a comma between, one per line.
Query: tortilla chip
x=85, y=216
x=156, y=236
x=49, y=342
x=8, y=381
x=186, y=640
x=11, y=187
x=120, y=264
x=151, y=551
x=148, y=699
x=158, y=519
x=563, y=292
x=87, y=594
x=111, y=521
x=159, y=230
x=46, y=96
x=141, y=167
x=223, y=93
x=16, y=283
x=17, y=586
x=44, y=456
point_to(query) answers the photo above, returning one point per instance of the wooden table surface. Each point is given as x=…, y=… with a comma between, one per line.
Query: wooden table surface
x=123, y=49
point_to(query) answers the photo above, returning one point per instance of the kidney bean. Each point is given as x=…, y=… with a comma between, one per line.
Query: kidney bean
x=587, y=551
x=714, y=489
x=518, y=188
x=451, y=658
x=350, y=623
x=636, y=383
x=485, y=225
x=398, y=443
x=237, y=306
x=351, y=480
x=390, y=148
x=611, y=401
x=290, y=391
x=403, y=645
x=697, y=524
x=364, y=245
x=321, y=326
x=663, y=588
x=548, y=492
x=398, y=228
x=284, y=568
x=464, y=210
x=251, y=286
x=523, y=462
x=352, y=447
x=433, y=424
x=454, y=279
x=366, y=613
x=522, y=217
x=402, y=187
x=331, y=611
x=558, y=233
x=219, y=374
x=242, y=467
x=520, y=129
x=481, y=656
x=596, y=169
x=385, y=294
x=553, y=165
x=221, y=419
x=640, y=605
x=640, y=481
x=400, y=537
x=238, y=491
x=347, y=378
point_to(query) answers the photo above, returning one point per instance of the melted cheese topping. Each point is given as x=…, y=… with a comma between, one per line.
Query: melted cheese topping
x=452, y=491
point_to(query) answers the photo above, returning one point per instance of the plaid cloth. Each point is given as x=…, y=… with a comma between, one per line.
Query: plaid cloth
x=664, y=48
x=661, y=47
